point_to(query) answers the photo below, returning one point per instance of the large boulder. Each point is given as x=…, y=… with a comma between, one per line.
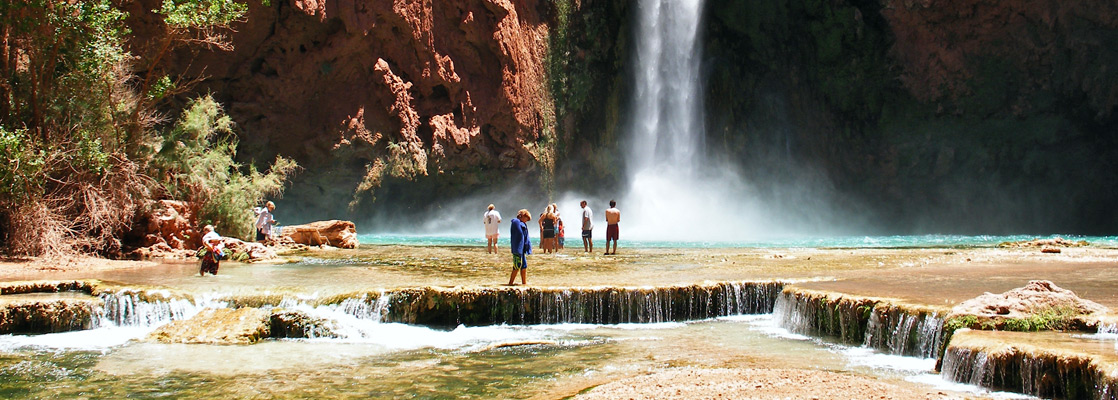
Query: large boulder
x=168, y=224
x=218, y=326
x=1037, y=296
x=335, y=233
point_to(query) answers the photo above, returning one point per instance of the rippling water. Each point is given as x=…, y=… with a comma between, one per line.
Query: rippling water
x=898, y=241
x=400, y=361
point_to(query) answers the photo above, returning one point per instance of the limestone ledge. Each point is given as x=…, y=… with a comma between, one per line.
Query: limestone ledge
x=1007, y=361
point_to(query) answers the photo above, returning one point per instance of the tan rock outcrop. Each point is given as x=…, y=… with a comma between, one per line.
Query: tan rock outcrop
x=335, y=233
x=217, y=326
x=171, y=223
x=1036, y=296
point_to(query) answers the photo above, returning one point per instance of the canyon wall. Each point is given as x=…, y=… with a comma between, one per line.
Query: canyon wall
x=968, y=116
x=965, y=116
x=367, y=94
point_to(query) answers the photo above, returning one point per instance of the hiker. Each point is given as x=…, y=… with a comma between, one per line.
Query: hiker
x=215, y=250
x=613, y=216
x=587, y=227
x=264, y=222
x=547, y=230
x=560, y=233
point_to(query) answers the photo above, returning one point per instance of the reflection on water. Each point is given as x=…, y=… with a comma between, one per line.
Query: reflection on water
x=414, y=362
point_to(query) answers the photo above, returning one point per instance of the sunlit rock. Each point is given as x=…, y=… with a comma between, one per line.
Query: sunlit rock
x=297, y=324
x=240, y=250
x=1037, y=296
x=218, y=326
x=335, y=233
x=23, y=314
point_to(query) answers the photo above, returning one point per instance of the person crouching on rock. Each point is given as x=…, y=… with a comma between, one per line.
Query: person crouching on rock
x=521, y=246
x=215, y=250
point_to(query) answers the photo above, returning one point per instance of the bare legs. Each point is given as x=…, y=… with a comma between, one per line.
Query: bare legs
x=523, y=276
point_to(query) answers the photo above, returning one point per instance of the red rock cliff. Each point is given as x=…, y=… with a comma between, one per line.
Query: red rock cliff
x=359, y=92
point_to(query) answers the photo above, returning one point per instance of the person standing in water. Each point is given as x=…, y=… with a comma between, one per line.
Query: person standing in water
x=492, y=222
x=587, y=227
x=613, y=216
x=547, y=230
x=215, y=250
x=560, y=233
x=264, y=222
x=521, y=246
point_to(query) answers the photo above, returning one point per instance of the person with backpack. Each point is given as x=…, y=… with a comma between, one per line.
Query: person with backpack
x=214, y=251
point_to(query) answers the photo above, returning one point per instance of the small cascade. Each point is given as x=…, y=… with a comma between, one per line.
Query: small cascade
x=128, y=307
x=609, y=305
x=1105, y=328
x=1029, y=371
x=819, y=314
x=907, y=332
x=874, y=323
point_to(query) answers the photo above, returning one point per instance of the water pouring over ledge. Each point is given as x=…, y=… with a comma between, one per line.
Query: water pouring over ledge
x=678, y=190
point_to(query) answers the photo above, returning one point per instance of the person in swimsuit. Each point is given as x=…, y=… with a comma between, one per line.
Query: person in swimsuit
x=613, y=216
x=547, y=230
x=560, y=233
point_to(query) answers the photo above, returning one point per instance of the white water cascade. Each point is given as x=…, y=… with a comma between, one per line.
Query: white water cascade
x=674, y=193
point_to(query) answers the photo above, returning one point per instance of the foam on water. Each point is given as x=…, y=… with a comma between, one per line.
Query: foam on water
x=99, y=339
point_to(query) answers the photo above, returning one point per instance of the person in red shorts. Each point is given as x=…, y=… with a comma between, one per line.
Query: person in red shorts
x=613, y=216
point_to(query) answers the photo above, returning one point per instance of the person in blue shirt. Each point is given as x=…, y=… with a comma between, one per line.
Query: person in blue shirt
x=521, y=246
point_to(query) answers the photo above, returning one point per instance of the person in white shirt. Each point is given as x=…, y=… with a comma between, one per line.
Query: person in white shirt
x=215, y=250
x=587, y=228
x=492, y=222
x=264, y=222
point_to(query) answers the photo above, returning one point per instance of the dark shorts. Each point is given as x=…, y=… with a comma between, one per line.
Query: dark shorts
x=611, y=232
x=260, y=235
x=519, y=261
x=587, y=234
x=548, y=233
x=210, y=263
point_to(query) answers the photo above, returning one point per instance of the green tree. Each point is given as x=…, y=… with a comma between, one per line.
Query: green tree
x=196, y=160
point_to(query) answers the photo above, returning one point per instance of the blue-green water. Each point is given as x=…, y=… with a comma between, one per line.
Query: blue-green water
x=899, y=241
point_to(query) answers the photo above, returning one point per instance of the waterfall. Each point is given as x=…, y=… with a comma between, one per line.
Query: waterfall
x=1031, y=371
x=667, y=106
x=676, y=190
x=907, y=331
x=603, y=305
x=138, y=308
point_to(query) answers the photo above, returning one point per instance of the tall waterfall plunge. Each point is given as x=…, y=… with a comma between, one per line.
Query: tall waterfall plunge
x=673, y=192
x=677, y=189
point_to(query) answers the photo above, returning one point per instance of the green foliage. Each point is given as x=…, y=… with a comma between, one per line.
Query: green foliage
x=20, y=176
x=1052, y=318
x=201, y=13
x=196, y=161
x=960, y=322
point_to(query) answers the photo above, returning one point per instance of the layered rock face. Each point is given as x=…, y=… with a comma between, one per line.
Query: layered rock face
x=361, y=93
